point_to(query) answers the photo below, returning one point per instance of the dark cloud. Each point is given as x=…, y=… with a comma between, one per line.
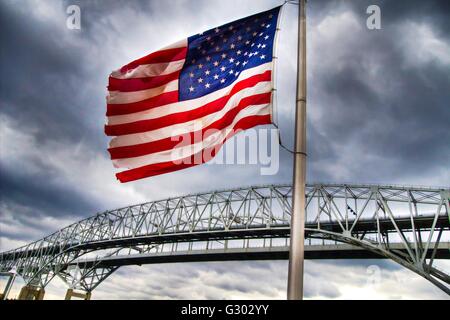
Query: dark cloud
x=377, y=108
x=53, y=199
x=46, y=80
x=374, y=102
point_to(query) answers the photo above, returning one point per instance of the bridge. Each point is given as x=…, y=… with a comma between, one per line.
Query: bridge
x=409, y=225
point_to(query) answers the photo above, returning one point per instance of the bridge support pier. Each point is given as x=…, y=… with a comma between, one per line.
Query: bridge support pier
x=73, y=294
x=30, y=292
x=9, y=284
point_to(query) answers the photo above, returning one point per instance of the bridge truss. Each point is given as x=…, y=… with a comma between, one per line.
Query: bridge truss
x=409, y=225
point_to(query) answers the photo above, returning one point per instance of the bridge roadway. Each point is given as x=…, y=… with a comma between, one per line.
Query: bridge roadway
x=254, y=231
x=267, y=252
x=313, y=252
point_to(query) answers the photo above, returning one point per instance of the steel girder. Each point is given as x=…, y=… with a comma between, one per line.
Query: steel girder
x=409, y=225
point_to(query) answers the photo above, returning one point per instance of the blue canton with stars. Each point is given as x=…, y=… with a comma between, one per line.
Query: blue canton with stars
x=215, y=58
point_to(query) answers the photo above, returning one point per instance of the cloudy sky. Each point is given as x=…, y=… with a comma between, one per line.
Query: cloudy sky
x=378, y=112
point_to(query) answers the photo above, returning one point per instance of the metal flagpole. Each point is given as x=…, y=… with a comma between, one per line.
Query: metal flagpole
x=296, y=253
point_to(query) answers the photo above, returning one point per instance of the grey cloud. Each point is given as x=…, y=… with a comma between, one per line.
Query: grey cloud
x=376, y=113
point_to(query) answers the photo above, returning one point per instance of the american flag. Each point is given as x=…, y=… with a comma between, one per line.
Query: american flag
x=176, y=107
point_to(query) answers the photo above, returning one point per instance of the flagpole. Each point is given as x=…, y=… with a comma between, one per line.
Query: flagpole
x=297, y=242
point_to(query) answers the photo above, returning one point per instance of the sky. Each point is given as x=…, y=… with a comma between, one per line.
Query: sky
x=378, y=112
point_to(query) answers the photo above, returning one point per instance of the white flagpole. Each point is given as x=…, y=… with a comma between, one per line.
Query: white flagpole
x=297, y=252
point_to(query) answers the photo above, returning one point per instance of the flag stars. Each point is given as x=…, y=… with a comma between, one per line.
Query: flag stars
x=220, y=55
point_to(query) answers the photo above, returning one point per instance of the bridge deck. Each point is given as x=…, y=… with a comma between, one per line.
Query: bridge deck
x=314, y=252
x=254, y=231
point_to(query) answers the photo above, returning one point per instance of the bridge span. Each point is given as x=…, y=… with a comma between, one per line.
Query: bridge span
x=409, y=225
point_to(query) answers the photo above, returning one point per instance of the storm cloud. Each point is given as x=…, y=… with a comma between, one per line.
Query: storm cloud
x=378, y=112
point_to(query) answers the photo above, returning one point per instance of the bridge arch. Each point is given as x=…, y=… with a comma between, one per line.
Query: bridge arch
x=409, y=225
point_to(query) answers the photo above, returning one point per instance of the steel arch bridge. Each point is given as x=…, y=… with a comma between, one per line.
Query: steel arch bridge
x=409, y=225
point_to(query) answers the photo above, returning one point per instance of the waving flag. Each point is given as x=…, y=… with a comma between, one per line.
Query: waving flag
x=176, y=107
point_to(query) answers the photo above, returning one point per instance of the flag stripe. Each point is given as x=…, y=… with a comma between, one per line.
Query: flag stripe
x=166, y=167
x=160, y=56
x=143, y=124
x=176, y=129
x=117, y=109
x=137, y=84
x=150, y=70
x=140, y=149
x=154, y=102
x=116, y=97
x=187, y=147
